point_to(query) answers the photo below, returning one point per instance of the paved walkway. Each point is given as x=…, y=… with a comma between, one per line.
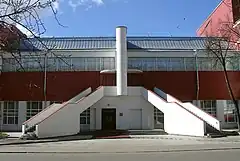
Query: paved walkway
x=120, y=146
x=230, y=139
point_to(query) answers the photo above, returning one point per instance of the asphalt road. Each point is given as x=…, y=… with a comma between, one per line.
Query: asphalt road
x=226, y=155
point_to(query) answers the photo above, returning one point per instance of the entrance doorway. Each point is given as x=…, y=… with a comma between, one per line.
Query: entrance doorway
x=108, y=119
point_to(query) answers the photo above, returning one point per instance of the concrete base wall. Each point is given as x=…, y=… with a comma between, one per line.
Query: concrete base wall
x=23, y=107
x=126, y=107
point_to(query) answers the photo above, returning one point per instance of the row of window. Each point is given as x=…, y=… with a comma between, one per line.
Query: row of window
x=230, y=113
x=57, y=64
x=10, y=112
x=98, y=64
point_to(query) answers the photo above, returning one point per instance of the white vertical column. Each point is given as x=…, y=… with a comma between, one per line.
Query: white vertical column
x=121, y=59
x=22, y=111
x=220, y=110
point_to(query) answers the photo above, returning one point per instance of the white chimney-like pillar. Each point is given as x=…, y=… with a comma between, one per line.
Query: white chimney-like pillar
x=121, y=60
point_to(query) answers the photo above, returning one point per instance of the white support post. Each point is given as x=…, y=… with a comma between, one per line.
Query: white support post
x=122, y=60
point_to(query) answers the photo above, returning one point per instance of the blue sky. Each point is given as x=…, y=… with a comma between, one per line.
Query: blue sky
x=142, y=17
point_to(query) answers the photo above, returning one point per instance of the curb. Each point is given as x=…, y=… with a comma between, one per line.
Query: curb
x=122, y=152
x=193, y=139
x=112, y=138
x=42, y=141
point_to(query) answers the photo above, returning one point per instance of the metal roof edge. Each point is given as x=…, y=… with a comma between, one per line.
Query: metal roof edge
x=114, y=38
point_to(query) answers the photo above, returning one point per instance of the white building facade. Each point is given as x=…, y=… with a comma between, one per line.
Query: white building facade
x=131, y=109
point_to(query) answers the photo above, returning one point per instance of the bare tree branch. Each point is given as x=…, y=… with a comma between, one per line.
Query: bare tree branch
x=25, y=13
x=220, y=50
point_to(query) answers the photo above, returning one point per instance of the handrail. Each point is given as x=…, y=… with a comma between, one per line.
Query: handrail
x=183, y=104
x=38, y=114
x=194, y=106
x=88, y=90
x=68, y=104
x=217, y=121
x=63, y=104
x=177, y=104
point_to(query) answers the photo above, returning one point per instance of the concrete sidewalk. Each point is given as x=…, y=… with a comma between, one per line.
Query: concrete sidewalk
x=178, y=137
x=16, y=141
x=120, y=146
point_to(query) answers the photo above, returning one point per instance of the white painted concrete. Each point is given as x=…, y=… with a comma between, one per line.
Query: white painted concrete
x=135, y=119
x=220, y=110
x=42, y=115
x=22, y=113
x=66, y=121
x=51, y=110
x=134, y=111
x=124, y=105
x=121, y=60
x=80, y=95
x=14, y=134
x=194, y=109
x=203, y=115
x=180, y=121
x=177, y=120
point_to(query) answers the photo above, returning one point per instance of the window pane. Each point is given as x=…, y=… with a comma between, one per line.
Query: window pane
x=33, y=108
x=10, y=120
x=108, y=63
x=190, y=64
x=10, y=112
x=135, y=63
x=176, y=64
x=83, y=120
x=88, y=120
x=52, y=64
x=162, y=64
x=230, y=113
x=148, y=64
x=4, y=120
x=64, y=64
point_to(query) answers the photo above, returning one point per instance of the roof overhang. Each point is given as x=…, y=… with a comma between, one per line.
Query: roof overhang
x=129, y=71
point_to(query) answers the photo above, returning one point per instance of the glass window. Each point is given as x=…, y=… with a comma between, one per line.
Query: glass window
x=85, y=117
x=107, y=63
x=78, y=64
x=158, y=116
x=91, y=64
x=176, y=64
x=52, y=64
x=233, y=63
x=205, y=64
x=33, y=63
x=10, y=112
x=162, y=64
x=135, y=63
x=64, y=64
x=190, y=64
x=230, y=112
x=33, y=108
x=9, y=64
x=209, y=107
x=148, y=64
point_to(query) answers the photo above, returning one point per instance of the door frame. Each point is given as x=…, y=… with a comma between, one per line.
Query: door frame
x=111, y=108
x=141, y=117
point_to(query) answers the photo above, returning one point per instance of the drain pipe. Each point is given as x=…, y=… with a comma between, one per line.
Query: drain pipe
x=197, y=76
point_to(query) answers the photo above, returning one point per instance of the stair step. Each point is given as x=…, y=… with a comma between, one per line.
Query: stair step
x=215, y=135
